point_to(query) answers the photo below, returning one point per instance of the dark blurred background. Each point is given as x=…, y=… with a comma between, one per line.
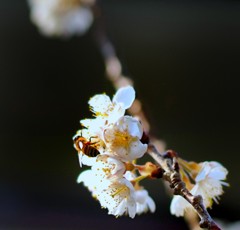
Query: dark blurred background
x=184, y=59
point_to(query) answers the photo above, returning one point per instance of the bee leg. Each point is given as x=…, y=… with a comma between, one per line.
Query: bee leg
x=93, y=143
x=92, y=137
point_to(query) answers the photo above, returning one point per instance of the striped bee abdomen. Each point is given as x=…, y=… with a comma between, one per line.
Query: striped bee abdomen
x=90, y=151
x=86, y=147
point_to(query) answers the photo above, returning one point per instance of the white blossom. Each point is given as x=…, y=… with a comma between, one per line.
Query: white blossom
x=208, y=184
x=61, y=17
x=144, y=202
x=114, y=190
x=89, y=180
x=179, y=206
x=123, y=139
x=95, y=126
x=111, y=111
x=107, y=167
x=117, y=138
x=117, y=135
x=119, y=198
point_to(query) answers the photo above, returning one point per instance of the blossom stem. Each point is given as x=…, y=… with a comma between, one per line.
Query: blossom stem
x=138, y=179
x=171, y=174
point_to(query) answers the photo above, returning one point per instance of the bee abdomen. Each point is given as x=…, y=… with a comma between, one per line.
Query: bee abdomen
x=91, y=151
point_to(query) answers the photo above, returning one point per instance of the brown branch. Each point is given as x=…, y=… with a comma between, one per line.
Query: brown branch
x=168, y=162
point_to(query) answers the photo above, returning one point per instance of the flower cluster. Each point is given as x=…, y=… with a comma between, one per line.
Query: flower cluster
x=115, y=138
x=61, y=17
x=111, y=142
x=205, y=179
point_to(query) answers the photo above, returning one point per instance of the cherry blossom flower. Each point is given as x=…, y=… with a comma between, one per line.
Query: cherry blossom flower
x=123, y=139
x=119, y=198
x=208, y=184
x=89, y=180
x=179, y=206
x=111, y=111
x=144, y=202
x=116, y=195
x=106, y=111
x=61, y=17
x=108, y=167
x=94, y=126
x=115, y=134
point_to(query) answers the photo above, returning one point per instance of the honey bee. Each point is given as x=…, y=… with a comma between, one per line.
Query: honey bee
x=84, y=146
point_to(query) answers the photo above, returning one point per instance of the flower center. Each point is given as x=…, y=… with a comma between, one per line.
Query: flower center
x=122, y=139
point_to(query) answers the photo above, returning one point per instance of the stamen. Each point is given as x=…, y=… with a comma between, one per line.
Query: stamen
x=118, y=191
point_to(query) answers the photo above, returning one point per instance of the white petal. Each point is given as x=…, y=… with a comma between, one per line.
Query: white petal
x=141, y=196
x=121, y=153
x=120, y=209
x=213, y=170
x=89, y=180
x=119, y=167
x=204, y=172
x=94, y=127
x=133, y=126
x=118, y=198
x=87, y=122
x=144, y=202
x=89, y=161
x=107, y=167
x=100, y=103
x=116, y=112
x=125, y=96
x=137, y=150
x=84, y=176
x=131, y=207
x=129, y=175
x=178, y=206
x=198, y=189
x=218, y=172
x=151, y=204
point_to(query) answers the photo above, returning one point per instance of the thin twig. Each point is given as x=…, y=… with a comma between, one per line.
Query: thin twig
x=114, y=73
x=168, y=163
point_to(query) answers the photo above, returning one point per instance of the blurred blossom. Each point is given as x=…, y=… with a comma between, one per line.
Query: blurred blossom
x=61, y=17
x=144, y=202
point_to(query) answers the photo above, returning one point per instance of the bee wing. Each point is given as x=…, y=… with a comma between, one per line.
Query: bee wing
x=80, y=156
